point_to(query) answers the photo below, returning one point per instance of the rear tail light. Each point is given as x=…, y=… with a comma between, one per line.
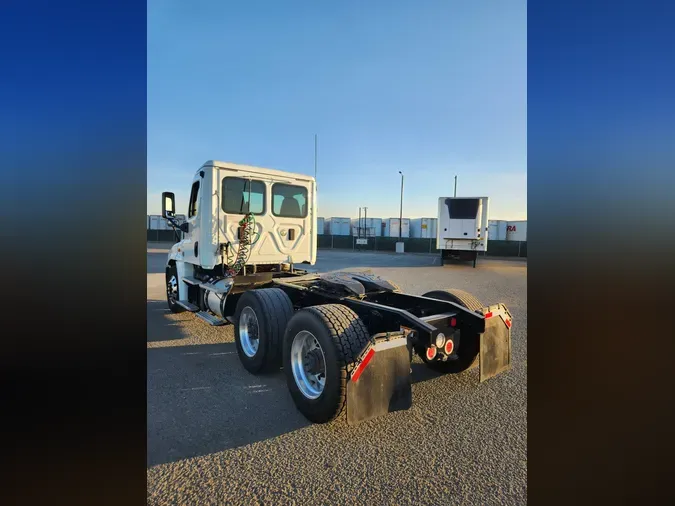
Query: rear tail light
x=431, y=353
x=449, y=347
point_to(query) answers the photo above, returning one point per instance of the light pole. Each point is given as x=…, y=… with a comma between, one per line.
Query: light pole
x=400, y=216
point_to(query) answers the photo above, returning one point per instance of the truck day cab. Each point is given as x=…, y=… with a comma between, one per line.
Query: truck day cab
x=345, y=340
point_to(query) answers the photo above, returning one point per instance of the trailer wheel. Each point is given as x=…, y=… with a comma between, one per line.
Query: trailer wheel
x=260, y=319
x=321, y=344
x=469, y=344
x=172, y=289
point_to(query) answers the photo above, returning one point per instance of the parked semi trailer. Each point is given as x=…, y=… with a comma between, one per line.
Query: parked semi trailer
x=345, y=340
x=462, y=228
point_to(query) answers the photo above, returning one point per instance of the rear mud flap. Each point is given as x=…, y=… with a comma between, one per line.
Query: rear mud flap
x=381, y=383
x=495, y=343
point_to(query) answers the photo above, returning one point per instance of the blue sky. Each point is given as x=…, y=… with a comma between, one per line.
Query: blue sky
x=432, y=88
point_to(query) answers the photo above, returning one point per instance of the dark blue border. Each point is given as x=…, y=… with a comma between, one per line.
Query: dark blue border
x=72, y=200
x=601, y=175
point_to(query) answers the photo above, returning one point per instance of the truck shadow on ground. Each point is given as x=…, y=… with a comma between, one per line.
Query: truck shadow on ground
x=159, y=327
x=200, y=400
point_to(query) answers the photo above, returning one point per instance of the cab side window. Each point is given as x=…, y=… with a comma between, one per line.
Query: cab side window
x=194, y=200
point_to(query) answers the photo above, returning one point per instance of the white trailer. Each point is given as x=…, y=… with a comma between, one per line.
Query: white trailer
x=367, y=227
x=423, y=228
x=338, y=226
x=462, y=227
x=497, y=230
x=391, y=226
x=158, y=223
x=516, y=231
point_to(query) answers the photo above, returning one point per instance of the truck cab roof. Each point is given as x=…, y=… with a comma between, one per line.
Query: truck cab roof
x=259, y=170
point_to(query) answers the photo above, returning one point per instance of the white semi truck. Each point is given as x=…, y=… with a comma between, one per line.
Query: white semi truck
x=462, y=228
x=345, y=340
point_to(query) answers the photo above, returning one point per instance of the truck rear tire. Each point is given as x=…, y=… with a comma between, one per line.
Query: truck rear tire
x=321, y=344
x=469, y=344
x=260, y=319
x=172, y=289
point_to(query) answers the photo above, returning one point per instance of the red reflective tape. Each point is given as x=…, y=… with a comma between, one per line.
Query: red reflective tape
x=508, y=323
x=488, y=315
x=453, y=322
x=363, y=365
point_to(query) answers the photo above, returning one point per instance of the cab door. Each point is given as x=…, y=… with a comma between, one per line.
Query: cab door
x=191, y=241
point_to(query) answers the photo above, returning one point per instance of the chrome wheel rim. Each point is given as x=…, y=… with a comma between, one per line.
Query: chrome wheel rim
x=249, y=335
x=308, y=364
x=172, y=290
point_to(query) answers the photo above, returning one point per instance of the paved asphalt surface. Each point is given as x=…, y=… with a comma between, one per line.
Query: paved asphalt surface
x=219, y=435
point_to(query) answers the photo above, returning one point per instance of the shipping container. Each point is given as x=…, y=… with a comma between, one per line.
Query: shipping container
x=423, y=228
x=338, y=226
x=497, y=230
x=156, y=222
x=391, y=227
x=320, y=226
x=370, y=227
x=516, y=231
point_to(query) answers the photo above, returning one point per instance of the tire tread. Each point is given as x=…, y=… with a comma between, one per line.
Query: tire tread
x=350, y=336
x=466, y=299
x=278, y=310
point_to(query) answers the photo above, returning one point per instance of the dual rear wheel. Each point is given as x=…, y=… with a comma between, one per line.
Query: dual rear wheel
x=318, y=346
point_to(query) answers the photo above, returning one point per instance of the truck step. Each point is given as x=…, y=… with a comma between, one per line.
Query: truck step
x=191, y=281
x=210, y=319
x=187, y=305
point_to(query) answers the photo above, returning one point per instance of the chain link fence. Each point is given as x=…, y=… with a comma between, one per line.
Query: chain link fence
x=164, y=236
x=349, y=242
x=414, y=245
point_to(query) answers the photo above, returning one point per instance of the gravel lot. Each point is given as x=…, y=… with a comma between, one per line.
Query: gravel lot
x=218, y=435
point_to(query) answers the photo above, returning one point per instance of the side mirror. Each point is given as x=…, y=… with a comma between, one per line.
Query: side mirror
x=168, y=204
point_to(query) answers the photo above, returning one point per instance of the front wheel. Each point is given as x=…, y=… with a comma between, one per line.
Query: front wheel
x=321, y=346
x=466, y=352
x=172, y=289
